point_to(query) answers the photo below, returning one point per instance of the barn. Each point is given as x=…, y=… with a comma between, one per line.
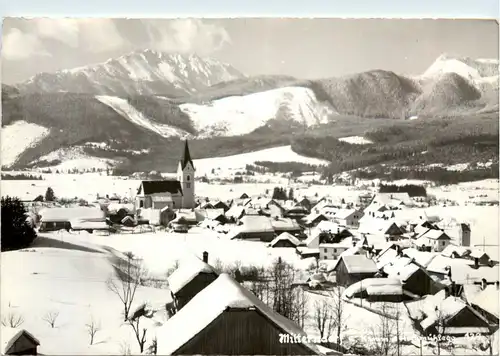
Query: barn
x=189, y=279
x=415, y=279
x=352, y=269
x=281, y=225
x=17, y=341
x=227, y=319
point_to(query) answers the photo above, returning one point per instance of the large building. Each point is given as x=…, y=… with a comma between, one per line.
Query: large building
x=175, y=194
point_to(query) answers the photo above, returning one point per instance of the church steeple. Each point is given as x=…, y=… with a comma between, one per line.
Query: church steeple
x=186, y=157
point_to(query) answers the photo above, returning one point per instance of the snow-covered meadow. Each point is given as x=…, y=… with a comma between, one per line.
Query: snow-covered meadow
x=17, y=138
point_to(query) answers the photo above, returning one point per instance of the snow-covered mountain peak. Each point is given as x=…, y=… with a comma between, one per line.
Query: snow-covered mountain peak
x=142, y=71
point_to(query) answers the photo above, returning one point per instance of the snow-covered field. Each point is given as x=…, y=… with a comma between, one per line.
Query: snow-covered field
x=356, y=140
x=239, y=115
x=122, y=107
x=75, y=158
x=239, y=162
x=67, y=273
x=18, y=137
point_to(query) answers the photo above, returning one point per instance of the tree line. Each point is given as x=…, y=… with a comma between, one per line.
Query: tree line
x=413, y=190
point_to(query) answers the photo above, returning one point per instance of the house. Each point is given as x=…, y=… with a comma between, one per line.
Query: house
x=214, y=205
x=227, y=319
x=285, y=240
x=255, y=227
x=16, y=341
x=480, y=257
x=464, y=233
x=189, y=279
x=176, y=194
x=236, y=212
x=211, y=214
x=117, y=211
x=454, y=251
x=314, y=219
x=348, y=217
x=447, y=315
x=436, y=240
x=352, y=269
x=297, y=212
x=281, y=225
x=77, y=218
x=156, y=216
x=332, y=251
x=377, y=290
x=414, y=279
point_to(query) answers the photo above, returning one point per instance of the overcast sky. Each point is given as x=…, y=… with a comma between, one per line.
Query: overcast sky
x=305, y=48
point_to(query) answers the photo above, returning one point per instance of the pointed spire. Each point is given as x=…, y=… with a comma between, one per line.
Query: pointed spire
x=186, y=157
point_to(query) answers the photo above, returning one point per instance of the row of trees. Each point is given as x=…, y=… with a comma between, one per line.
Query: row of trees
x=21, y=176
x=280, y=193
x=412, y=189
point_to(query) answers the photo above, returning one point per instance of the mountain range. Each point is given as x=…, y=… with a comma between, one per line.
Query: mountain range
x=133, y=110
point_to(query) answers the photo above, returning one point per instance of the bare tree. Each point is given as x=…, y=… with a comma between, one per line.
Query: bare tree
x=338, y=310
x=12, y=320
x=300, y=307
x=51, y=318
x=383, y=333
x=323, y=318
x=140, y=334
x=125, y=348
x=442, y=343
x=130, y=275
x=93, y=328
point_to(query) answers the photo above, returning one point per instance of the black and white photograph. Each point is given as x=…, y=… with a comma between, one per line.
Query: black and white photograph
x=249, y=186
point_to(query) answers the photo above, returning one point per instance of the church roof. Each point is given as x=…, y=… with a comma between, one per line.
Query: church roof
x=160, y=186
x=186, y=156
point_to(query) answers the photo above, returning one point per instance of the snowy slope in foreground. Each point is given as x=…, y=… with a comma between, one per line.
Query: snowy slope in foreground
x=77, y=291
x=239, y=115
x=18, y=137
x=238, y=162
x=122, y=107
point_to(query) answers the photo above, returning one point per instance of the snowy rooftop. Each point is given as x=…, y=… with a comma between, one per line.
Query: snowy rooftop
x=487, y=299
x=422, y=258
x=359, y=264
x=67, y=214
x=256, y=223
x=187, y=271
x=454, y=249
x=434, y=235
x=375, y=286
x=401, y=268
x=285, y=236
x=207, y=305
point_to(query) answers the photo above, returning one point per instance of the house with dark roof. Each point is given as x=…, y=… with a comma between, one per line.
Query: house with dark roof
x=175, y=194
x=189, y=279
x=352, y=269
x=227, y=319
x=17, y=341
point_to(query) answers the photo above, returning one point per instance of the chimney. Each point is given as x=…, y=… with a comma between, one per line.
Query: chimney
x=205, y=256
x=476, y=262
x=453, y=289
x=446, y=292
x=497, y=283
x=484, y=283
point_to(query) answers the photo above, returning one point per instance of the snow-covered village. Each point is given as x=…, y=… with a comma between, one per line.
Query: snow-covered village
x=201, y=221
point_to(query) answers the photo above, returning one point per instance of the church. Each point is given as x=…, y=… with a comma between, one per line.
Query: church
x=174, y=194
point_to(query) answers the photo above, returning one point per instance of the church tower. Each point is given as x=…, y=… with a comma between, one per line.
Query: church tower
x=185, y=175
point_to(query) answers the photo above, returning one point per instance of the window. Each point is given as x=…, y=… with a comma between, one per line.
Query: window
x=141, y=204
x=334, y=250
x=188, y=185
x=326, y=250
x=188, y=178
x=324, y=258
